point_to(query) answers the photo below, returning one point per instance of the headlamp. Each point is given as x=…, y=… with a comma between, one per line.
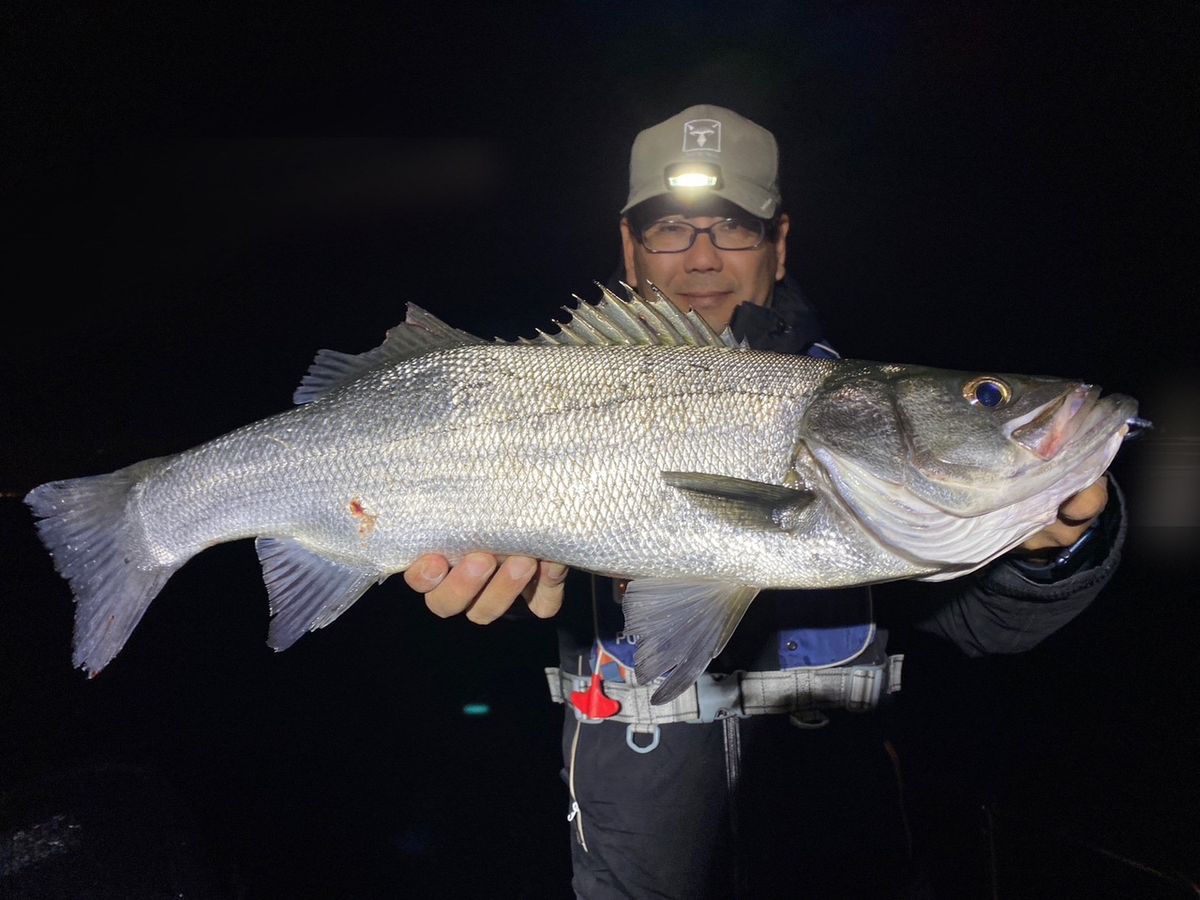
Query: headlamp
x=693, y=176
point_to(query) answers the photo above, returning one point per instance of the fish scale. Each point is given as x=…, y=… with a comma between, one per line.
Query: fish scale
x=645, y=447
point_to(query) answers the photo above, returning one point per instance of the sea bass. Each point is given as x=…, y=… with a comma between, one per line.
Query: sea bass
x=633, y=442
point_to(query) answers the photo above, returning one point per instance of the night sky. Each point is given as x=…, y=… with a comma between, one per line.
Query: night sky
x=198, y=199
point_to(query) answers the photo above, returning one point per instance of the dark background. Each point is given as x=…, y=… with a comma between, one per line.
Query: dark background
x=197, y=199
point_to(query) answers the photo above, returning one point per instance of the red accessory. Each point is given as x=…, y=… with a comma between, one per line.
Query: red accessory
x=592, y=702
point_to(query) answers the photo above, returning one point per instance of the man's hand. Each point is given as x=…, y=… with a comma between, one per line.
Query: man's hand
x=485, y=586
x=1075, y=516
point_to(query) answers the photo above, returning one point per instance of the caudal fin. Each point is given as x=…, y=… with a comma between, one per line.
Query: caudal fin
x=83, y=523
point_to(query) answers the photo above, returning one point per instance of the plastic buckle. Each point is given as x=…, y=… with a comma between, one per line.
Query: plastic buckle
x=808, y=718
x=655, y=734
x=894, y=665
x=719, y=696
x=864, y=688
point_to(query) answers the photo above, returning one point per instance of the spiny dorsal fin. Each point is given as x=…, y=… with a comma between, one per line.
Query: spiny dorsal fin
x=419, y=333
x=635, y=321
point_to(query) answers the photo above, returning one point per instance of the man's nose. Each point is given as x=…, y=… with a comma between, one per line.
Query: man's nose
x=702, y=256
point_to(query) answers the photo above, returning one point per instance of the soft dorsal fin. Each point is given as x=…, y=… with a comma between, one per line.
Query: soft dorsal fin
x=419, y=333
x=634, y=321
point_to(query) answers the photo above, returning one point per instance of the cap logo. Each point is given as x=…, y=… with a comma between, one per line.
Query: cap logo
x=702, y=134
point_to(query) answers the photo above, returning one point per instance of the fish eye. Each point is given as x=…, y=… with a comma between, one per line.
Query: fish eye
x=987, y=391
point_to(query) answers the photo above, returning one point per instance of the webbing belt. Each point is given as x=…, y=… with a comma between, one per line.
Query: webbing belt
x=715, y=696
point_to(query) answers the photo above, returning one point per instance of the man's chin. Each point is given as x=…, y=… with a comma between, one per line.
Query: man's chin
x=715, y=309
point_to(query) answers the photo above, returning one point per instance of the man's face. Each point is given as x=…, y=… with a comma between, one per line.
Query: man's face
x=713, y=282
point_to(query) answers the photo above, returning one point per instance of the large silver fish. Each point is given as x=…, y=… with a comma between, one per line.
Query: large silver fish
x=633, y=442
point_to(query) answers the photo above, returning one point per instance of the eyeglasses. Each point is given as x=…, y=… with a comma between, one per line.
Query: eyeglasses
x=673, y=236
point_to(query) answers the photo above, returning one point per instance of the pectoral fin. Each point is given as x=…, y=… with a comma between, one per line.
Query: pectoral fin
x=746, y=501
x=680, y=626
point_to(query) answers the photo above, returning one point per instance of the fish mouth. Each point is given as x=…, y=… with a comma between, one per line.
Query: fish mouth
x=1050, y=427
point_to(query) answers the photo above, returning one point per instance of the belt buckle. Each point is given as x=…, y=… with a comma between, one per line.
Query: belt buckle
x=719, y=696
x=864, y=688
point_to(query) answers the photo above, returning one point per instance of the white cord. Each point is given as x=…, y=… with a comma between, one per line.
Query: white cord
x=575, y=814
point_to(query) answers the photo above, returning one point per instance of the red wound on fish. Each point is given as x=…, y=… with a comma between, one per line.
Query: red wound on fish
x=367, y=519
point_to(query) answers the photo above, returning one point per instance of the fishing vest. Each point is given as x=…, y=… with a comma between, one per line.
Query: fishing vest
x=828, y=654
x=823, y=629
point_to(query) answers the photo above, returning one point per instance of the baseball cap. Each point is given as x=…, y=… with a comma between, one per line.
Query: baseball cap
x=707, y=150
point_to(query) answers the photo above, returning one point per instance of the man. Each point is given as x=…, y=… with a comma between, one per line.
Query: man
x=686, y=801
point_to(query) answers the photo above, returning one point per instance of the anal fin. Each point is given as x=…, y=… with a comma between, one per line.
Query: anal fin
x=306, y=591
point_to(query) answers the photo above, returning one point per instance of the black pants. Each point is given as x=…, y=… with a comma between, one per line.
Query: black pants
x=752, y=808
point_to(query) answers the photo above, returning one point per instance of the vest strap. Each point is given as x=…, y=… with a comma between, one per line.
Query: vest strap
x=720, y=696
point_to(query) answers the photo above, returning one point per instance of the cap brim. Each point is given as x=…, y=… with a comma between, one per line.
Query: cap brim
x=739, y=191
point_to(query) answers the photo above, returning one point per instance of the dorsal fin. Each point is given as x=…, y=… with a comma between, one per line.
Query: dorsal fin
x=419, y=333
x=635, y=321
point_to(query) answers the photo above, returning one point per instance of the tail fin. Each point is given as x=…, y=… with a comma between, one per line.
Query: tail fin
x=84, y=525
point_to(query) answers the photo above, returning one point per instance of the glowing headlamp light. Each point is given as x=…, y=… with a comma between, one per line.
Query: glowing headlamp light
x=693, y=176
